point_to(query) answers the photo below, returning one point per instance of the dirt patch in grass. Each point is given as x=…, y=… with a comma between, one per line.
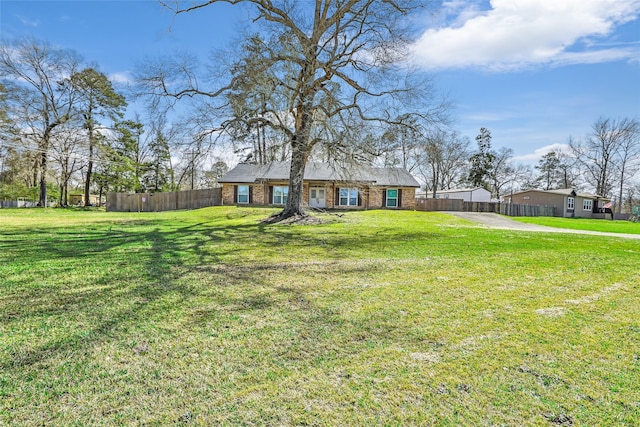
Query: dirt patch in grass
x=552, y=311
x=595, y=297
x=295, y=219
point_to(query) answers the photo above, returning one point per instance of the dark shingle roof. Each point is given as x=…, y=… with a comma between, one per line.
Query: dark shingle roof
x=279, y=171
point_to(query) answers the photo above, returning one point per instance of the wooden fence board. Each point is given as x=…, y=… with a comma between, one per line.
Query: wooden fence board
x=159, y=202
x=458, y=205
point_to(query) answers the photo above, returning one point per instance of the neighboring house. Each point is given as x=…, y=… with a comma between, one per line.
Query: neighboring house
x=361, y=187
x=467, y=194
x=567, y=201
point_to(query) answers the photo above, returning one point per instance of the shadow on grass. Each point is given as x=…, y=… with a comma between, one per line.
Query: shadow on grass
x=95, y=283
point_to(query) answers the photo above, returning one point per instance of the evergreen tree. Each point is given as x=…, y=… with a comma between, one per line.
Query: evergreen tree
x=97, y=99
x=158, y=176
x=549, y=167
x=481, y=162
x=122, y=161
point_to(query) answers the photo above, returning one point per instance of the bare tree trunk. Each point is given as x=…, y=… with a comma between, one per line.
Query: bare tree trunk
x=87, y=182
x=42, y=199
x=620, y=192
x=296, y=177
x=61, y=188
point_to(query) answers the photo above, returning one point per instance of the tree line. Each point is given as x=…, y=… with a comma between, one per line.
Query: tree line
x=63, y=126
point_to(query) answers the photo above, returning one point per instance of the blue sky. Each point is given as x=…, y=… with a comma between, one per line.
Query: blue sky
x=532, y=71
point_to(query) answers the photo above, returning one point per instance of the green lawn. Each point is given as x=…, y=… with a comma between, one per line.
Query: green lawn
x=618, y=226
x=211, y=317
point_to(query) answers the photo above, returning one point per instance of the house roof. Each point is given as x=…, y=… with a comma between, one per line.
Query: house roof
x=279, y=171
x=567, y=192
x=461, y=190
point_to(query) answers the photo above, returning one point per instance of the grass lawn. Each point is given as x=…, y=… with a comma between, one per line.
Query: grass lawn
x=210, y=317
x=618, y=226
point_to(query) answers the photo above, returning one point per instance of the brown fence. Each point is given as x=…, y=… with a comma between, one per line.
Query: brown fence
x=157, y=202
x=432, y=205
x=512, y=209
x=458, y=205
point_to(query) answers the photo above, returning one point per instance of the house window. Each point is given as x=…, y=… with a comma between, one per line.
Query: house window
x=243, y=194
x=280, y=195
x=392, y=197
x=348, y=197
x=587, y=205
x=570, y=203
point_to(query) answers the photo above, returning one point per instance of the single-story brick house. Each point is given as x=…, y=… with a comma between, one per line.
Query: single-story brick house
x=324, y=186
x=567, y=201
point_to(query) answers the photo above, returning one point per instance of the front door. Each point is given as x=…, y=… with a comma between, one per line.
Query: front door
x=317, y=197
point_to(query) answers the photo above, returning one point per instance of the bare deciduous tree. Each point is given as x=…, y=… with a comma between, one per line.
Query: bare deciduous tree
x=608, y=152
x=66, y=152
x=38, y=73
x=443, y=159
x=502, y=171
x=332, y=63
x=628, y=157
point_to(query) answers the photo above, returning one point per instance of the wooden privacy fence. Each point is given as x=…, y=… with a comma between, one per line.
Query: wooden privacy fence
x=431, y=205
x=512, y=209
x=458, y=205
x=157, y=202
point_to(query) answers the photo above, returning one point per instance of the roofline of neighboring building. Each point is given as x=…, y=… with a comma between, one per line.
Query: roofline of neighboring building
x=461, y=190
x=560, y=193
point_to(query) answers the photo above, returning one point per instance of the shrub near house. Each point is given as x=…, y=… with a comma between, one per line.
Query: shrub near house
x=324, y=186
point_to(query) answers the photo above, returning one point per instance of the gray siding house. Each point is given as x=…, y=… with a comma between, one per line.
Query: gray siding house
x=568, y=202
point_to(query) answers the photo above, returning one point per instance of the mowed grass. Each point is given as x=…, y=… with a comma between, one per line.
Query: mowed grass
x=617, y=226
x=211, y=317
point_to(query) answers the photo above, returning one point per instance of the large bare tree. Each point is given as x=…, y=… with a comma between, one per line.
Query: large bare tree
x=322, y=63
x=442, y=159
x=628, y=156
x=36, y=73
x=608, y=154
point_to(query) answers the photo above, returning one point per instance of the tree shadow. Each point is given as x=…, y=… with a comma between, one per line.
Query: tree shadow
x=141, y=263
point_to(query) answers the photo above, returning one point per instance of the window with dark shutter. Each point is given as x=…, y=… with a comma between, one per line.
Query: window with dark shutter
x=348, y=197
x=391, y=200
x=243, y=194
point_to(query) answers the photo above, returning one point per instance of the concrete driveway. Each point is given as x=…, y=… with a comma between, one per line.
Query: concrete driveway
x=492, y=220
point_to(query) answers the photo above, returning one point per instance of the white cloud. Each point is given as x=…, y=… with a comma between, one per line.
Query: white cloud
x=121, y=78
x=539, y=152
x=28, y=22
x=519, y=33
